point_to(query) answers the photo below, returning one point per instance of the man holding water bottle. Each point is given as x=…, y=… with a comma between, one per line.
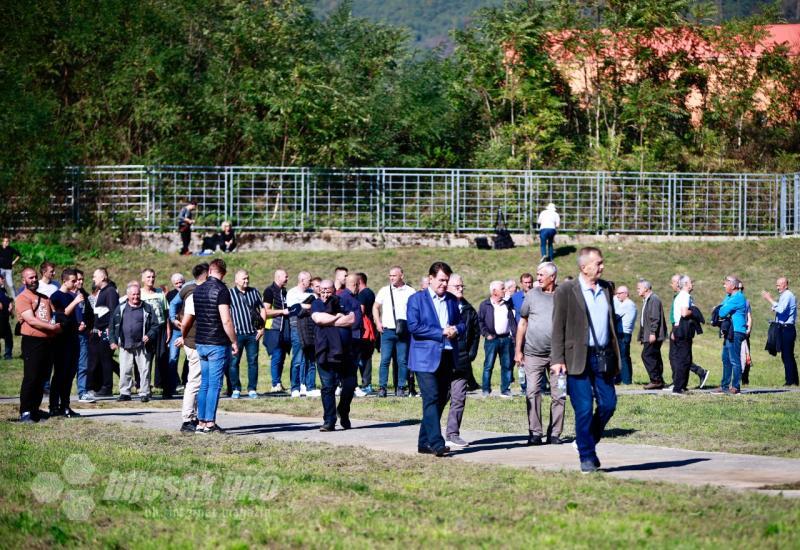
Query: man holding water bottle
x=584, y=346
x=534, y=333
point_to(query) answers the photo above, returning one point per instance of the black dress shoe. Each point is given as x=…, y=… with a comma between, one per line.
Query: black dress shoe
x=144, y=398
x=122, y=397
x=441, y=451
x=555, y=440
x=327, y=428
x=69, y=413
x=425, y=450
x=535, y=440
x=103, y=393
x=345, y=422
x=55, y=412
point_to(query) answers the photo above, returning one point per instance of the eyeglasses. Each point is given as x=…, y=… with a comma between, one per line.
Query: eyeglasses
x=325, y=290
x=462, y=287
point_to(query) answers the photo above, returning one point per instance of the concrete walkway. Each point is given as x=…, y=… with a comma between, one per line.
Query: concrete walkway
x=640, y=462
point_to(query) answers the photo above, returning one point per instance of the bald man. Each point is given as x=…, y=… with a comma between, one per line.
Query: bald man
x=277, y=335
x=785, y=308
x=626, y=314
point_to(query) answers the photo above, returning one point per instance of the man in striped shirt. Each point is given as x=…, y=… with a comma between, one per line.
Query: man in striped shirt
x=245, y=301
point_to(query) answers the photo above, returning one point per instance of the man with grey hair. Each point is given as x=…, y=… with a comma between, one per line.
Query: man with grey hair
x=626, y=316
x=734, y=306
x=680, y=346
x=303, y=370
x=652, y=333
x=134, y=323
x=498, y=327
x=248, y=314
x=535, y=330
x=673, y=318
x=785, y=308
x=584, y=346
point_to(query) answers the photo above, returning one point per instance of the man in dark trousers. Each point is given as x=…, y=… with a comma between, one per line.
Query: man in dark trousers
x=434, y=323
x=584, y=345
x=462, y=373
x=652, y=333
x=338, y=320
x=101, y=356
x=185, y=222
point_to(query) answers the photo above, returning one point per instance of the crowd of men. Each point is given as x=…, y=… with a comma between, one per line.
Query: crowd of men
x=569, y=339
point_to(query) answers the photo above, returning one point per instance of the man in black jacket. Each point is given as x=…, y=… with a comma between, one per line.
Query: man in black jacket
x=498, y=327
x=467, y=350
x=101, y=356
x=652, y=333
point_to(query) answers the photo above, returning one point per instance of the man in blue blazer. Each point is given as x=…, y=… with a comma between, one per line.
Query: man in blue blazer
x=434, y=323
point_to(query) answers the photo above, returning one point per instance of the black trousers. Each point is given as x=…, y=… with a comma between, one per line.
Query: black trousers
x=7, y=335
x=653, y=363
x=37, y=361
x=331, y=374
x=66, y=350
x=186, y=238
x=680, y=357
x=435, y=389
x=101, y=364
x=788, y=335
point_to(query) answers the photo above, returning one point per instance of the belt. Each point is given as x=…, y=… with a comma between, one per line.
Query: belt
x=502, y=336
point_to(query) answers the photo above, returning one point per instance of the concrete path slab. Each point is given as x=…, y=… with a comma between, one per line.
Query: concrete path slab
x=640, y=462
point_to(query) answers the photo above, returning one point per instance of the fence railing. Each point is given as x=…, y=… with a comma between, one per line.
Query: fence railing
x=403, y=199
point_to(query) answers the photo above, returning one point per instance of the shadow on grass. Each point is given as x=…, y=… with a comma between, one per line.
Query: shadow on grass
x=618, y=432
x=655, y=465
x=563, y=251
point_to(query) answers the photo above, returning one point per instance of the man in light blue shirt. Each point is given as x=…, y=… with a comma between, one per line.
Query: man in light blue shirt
x=626, y=315
x=785, y=315
x=734, y=306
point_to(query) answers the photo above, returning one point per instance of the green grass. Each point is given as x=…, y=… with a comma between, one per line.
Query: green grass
x=336, y=496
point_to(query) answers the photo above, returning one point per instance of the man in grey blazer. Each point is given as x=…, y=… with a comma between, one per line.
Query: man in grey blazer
x=652, y=333
x=584, y=345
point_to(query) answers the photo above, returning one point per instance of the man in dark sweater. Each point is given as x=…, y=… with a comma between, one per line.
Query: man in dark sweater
x=101, y=356
x=462, y=371
x=5, y=312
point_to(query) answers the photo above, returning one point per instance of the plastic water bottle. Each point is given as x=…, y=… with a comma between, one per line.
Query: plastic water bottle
x=561, y=385
x=521, y=375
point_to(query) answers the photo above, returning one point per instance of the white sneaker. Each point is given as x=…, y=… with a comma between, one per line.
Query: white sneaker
x=314, y=393
x=276, y=388
x=236, y=394
x=303, y=389
x=338, y=391
x=668, y=388
x=360, y=392
x=295, y=393
x=252, y=394
x=280, y=387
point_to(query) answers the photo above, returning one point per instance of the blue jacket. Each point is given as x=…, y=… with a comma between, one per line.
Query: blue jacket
x=427, y=340
x=735, y=305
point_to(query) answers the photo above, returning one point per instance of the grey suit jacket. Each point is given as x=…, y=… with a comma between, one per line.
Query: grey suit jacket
x=571, y=327
x=653, y=321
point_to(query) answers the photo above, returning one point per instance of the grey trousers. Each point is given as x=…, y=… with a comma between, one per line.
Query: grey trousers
x=192, y=387
x=458, y=396
x=128, y=359
x=535, y=368
x=11, y=292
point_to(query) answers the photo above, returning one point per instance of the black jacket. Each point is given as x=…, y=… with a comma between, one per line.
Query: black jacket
x=653, y=321
x=486, y=318
x=469, y=339
x=115, y=327
x=689, y=327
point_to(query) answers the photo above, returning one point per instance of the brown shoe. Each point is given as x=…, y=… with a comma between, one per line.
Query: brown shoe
x=654, y=386
x=734, y=391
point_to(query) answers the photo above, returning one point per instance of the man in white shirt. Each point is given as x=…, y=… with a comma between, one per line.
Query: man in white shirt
x=303, y=370
x=626, y=314
x=498, y=327
x=548, y=221
x=389, y=312
x=680, y=356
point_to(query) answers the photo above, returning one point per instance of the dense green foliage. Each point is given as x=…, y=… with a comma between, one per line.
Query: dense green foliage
x=228, y=82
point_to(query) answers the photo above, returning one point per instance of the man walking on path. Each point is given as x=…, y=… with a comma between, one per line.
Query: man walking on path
x=134, y=323
x=536, y=330
x=785, y=309
x=216, y=339
x=434, y=323
x=652, y=333
x=468, y=341
x=584, y=346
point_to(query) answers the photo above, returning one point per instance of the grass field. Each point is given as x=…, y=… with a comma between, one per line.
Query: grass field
x=322, y=496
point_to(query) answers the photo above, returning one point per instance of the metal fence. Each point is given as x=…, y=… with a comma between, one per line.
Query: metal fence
x=403, y=199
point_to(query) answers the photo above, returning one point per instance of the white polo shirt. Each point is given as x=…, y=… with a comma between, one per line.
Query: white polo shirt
x=401, y=296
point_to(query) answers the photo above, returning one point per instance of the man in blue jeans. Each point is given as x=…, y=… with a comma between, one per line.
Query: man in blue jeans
x=303, y=370
x=389, y=308
x=246, y=305
x=585, y=347
x=734, y=306
x=548, y=222
x=215, y=339
x=498, y=326
x=277, y=332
